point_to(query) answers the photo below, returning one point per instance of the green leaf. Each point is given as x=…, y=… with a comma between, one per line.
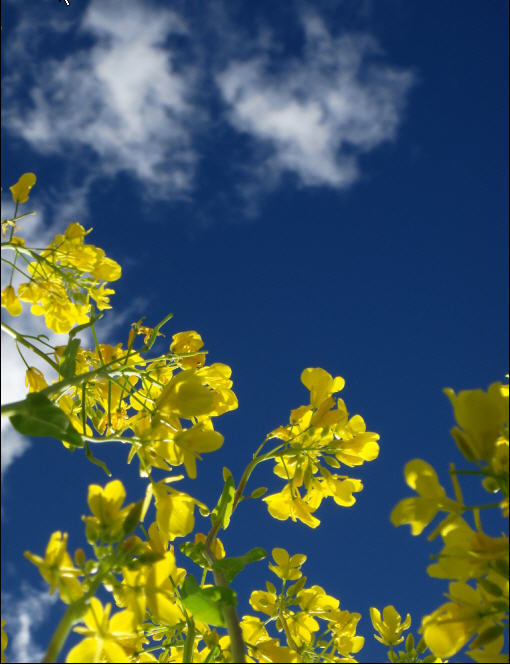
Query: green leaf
x=422, y=646
x=96, y=461
x=223, y=510
x=38, y=416
x=487, y=636
x=500, y=566
x=133, y=517
x=232, y=566
x=196, y=552
x=213, y=654
x=68, y=363
x=491, y=587
x=206, y=604
x=295, y=588
x=260, y=491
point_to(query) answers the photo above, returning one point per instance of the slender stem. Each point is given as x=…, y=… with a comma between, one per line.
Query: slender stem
x=21, y=340
x=14, y=407
x=60, y=635
x=71, y=616
x=237, y=647
x=187, y=656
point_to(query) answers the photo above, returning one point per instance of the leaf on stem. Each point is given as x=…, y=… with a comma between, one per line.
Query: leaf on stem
x=232, y=566
x=223, y=510
x=38, y=416
x=67, y=365
x=206, y=604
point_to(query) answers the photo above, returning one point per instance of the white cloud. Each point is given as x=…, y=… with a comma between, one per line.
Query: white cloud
x=121, y=97
x=133, y=94
x=315, y=115
x=23, y=614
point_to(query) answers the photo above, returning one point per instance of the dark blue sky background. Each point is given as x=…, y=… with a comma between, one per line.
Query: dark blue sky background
x=395, y=279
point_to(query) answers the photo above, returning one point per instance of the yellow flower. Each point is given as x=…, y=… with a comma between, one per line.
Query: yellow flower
x=288, y=503
x=253, y=629
x=453, y=624
x=481, y=417
x=191, y=442
x=357, y=445
x=21, y=189
x=287, y=568
x=301, y=626
x=108, y=518
x=390, y=627
x=320, y=384
x=101, y=296
x=11, y=301
x=420, y=511
x=186, y=396
x=174, y=511
x=108, y=640
x=343, y=626
x=316, y=600
x=188, y=342
x=152, y=586
x=34, y=380
x=466, y=553
x=57, y=568
x=270, y=651
x=5, y=640
x=264, y=601
x=107, y=270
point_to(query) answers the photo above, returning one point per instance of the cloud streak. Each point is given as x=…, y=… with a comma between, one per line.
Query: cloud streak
x=23, y=615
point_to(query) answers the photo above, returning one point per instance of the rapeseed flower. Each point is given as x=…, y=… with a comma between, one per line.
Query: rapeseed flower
x=390, y=627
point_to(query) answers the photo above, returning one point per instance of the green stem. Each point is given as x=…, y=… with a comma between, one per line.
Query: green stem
x=60, y=635
x=187, y=656
x=21, y=340
x=71, y=616
x=60, y=386
x=237, y=647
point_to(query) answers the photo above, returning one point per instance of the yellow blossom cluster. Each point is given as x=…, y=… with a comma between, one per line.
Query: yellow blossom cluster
x=318, y=433
x=476, y=563
x=307, y=617
x=64, y=277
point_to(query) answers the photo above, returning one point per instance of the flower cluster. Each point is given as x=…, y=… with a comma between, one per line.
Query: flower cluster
x=63, y=278
x=310, y=620
x=476, y=563
x=318, y=433
x=166, y=411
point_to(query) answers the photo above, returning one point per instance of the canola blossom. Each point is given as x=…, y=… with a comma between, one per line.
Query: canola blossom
x=171, y=587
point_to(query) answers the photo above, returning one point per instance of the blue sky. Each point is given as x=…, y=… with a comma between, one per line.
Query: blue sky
x=307, y=185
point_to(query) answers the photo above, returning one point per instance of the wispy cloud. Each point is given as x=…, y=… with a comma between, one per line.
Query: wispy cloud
x=23, y=615
x=120, y=98
x=315, y=115
x=137, y=92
